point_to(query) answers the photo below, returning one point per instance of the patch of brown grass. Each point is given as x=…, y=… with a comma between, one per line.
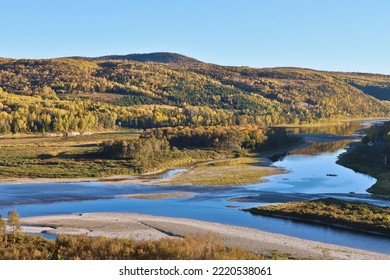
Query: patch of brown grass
x=238, y=171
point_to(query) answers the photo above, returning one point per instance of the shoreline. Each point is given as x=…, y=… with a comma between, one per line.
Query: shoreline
x=380, y=188
x=147, y=227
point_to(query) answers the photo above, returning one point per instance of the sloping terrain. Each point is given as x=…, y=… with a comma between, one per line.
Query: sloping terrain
x=189, y=92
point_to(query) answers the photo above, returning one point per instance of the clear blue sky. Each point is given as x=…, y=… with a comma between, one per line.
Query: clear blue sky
x=340, y=35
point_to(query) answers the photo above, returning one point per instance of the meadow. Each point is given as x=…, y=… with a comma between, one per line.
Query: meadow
x=34, y=156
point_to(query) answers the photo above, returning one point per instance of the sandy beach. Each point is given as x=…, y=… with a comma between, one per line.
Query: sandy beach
x=146, y=227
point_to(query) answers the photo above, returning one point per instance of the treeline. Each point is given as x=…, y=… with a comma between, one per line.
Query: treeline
x=216, y=137
x=249, y=137
x=37, y=114
x=156, y=144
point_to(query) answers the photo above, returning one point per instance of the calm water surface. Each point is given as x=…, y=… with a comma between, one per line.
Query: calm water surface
x=311, y=173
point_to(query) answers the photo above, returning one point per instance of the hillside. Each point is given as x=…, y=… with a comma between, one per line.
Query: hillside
x=377, y=86
x=185, y=90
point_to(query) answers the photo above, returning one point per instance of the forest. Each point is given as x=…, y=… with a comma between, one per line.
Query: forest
x=169, y=90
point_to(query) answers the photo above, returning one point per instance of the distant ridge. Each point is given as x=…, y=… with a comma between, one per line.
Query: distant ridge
x=159, y=57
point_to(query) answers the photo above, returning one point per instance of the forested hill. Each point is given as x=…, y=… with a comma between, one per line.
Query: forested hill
x=170, y=90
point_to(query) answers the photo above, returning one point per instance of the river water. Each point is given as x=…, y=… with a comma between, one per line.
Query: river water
x=311, y=173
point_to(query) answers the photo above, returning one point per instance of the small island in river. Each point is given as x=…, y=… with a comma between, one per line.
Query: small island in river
x=333, y=212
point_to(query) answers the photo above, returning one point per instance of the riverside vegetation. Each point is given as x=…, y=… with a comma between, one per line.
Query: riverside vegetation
x=334, y=212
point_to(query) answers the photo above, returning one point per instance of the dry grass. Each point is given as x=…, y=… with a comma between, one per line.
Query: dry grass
x=197, y=247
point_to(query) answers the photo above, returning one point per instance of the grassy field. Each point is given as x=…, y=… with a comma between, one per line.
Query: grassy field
x=334, y=212
x=75, y=157
x=58, y=157
x=196, y=247
x=237, y=171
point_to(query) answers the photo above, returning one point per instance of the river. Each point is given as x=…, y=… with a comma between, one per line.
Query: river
x=311, y=173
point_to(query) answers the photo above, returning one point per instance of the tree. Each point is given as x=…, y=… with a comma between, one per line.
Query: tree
x=14, y=222
x=3, y=229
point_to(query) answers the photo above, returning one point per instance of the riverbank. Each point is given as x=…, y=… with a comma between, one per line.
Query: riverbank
x=146, y=227
x=359, y=159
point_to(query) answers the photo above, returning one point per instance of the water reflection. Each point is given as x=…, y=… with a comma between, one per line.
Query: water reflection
x=343, y=128
x=321, y=147
x=310, y=174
